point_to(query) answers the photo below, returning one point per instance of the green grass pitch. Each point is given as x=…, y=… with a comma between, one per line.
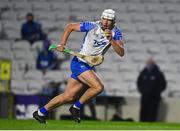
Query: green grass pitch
x=12, y=124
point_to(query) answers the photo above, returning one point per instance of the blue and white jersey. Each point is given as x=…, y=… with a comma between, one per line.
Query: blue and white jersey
x=95, y=41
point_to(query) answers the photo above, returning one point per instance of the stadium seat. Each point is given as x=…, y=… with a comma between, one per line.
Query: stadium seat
x=5, y=5
x=39, y=6
x=9, y=15
x=161, y=58
x=171, y=77
x=45, y=16
x=48, y=25
x=173, y=49
x=22, y=64
x=135, y=8
x=174, y=58
x=15, y=66
x=5, y=54
x=154, y=8
x=105, y=66
x=160, y=18
x=31, y=64
x=166, y=38
x=174, y=19
x=140, y=18
x=117, y=89
x=155, y=49
x=134, y=48
x=169, y=1
x=37, y=46
x=11, y=24
x=18, y=87
x=177, y=28
x=128, y=67
x=5, y=45
x=17, y=74
x=153, y=38
x=132, y=38
x=33, y=75
x=54, y=76
x=59, y=6
x=77, y=1
x=56, y=1
x=173, y=90
x=96, y=1
x=13, y=34
x=120, y=8
x=60, y=16
x=127, y=28
x=145, y=28
x=21, y=6
x=78, y=7
x=1, y=26
x=130, y=77
x=23, y=55
x=123, y=18
x=131, y=1
x=34, y=86
x=94, y=7
x=21, y=45
x=168, y=67
x=132, y=88
x=149, y=1
x=112, y=1
x=172, y=8
x=140, y=57
x=82, y=16
x=41, y=1
x=164, y=28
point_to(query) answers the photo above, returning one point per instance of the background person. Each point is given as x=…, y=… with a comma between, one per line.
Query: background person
x=32, y=30
x=151, y=82
x=46, y=60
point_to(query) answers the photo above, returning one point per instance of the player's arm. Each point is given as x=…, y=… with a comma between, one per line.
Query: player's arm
x=67, y=31
x=118, y=46
x=116, y=41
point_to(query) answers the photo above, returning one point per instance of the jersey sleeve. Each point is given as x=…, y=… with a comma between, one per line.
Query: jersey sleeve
x=86, y=26
x=117, y=34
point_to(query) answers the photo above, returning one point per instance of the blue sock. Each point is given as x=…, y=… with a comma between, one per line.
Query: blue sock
x=78, y=104
x=43, y=111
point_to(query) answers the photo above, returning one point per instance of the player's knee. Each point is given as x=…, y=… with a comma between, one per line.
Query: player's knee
x=99, y=88
x=68, y=97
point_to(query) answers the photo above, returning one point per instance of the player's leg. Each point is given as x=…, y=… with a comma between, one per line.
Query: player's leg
x=90, y=78
x=83, y=72
x=73, y=87
x=69, y=94
x=95, y=85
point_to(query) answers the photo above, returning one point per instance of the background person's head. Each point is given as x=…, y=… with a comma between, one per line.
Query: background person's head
x=30, y=17
x=150, y=63
x=108, y=18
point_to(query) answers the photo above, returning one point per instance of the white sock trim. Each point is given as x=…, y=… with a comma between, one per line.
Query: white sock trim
x=39, y=113
x=76, y=107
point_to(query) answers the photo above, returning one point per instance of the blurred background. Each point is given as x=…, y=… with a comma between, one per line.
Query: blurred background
x=30, y=75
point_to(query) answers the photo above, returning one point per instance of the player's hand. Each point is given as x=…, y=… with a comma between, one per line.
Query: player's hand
x=108, y=34
x=60, y=47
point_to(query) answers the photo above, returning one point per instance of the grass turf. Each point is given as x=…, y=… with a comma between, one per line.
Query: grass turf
x=12, y=124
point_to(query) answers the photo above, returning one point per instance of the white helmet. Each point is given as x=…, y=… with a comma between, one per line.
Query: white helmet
x=108, y=14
